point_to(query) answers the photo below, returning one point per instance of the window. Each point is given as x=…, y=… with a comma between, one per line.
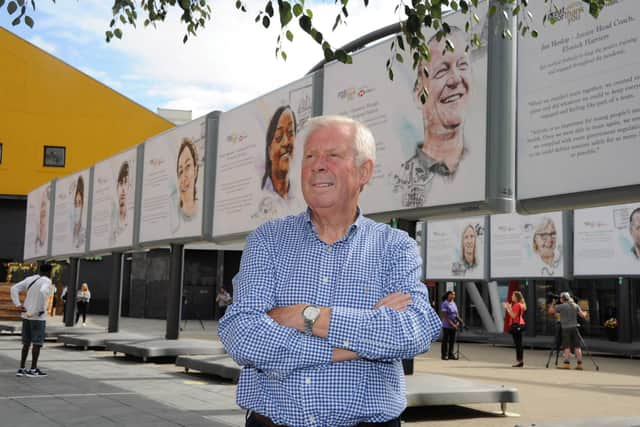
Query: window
x=54, y=156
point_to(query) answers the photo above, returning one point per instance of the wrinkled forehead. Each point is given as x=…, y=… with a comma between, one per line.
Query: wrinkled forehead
x=438, y=50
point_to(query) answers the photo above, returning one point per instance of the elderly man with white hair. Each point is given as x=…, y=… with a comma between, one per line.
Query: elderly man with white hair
x=328, y=302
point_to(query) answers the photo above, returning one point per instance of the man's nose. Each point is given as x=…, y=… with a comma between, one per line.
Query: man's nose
x=319, y=163
x=454, y=78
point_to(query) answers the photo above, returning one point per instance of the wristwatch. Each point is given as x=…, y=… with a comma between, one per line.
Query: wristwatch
x=310, y=314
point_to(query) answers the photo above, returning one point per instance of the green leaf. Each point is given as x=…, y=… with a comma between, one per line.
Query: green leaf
x=118, y=33
x=185, y=38
x=29, y=21
x=399, y=58
x=309, y=13
x=289, y=35
x=400, y=42
x=534, y=34
x=390, y=73
x=297, y=10
x=341, y=56
x=122, y=19
x=305, y=23
x=515, y=10
x=283, y=54
x=12, y=7
x=269, y=9
x=266, y=21
x=15, y=21
x=2, y=3
x=285, y=13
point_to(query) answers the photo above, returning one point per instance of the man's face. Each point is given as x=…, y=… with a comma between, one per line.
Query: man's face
x=123, y=195
x=452, y=296
x=448, y=84
x=186, y=174
x=546, y=240
x=281, y=149
x=330, y=176
x=634, y=229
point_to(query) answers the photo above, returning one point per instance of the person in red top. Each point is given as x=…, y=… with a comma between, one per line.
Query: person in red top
x=516, y=310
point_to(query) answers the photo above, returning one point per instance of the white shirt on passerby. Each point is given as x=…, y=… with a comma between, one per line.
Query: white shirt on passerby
x=35, y=303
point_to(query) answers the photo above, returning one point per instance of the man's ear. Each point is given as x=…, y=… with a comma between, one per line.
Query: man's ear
x=366, y=172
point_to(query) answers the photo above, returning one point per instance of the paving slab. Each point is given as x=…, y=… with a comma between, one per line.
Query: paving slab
x=591, y=422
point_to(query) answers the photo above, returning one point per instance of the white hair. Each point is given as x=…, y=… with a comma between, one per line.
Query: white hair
x=364, y=144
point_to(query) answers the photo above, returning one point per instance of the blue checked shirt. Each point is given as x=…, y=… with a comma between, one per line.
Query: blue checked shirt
x=287, y=375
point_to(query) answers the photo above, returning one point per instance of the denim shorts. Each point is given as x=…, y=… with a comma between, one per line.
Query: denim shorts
x=33, y=331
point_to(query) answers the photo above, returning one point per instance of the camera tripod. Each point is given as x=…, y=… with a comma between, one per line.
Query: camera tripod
x=558, y=343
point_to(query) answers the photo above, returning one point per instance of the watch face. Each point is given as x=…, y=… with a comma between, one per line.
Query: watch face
x=311, y=312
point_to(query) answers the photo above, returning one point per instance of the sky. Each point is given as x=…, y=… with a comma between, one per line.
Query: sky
x=230, y=62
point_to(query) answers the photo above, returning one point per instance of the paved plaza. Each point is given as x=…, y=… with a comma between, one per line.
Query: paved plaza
x=94, y=388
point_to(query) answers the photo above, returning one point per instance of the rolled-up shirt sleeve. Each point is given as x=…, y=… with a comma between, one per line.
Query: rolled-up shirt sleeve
x=254, y=339
x=384, y=333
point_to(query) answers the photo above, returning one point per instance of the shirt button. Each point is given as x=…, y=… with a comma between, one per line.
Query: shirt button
x=312, y=419
x=325, y=279
x=366, y=290
x=307, y=381
x=346, y=343
x=329, y=248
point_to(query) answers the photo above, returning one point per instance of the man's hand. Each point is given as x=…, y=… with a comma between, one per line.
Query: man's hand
x=21, y=308
x=289, y=316
x=397, y=301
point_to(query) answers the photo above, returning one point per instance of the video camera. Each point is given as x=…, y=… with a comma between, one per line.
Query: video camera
x=553, y=298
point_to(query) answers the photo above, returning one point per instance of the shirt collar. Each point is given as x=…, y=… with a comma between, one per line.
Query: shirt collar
x=350, y=232
x=434, y=166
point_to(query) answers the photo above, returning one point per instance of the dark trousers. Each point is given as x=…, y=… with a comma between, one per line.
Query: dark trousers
x=448, y=342
x=82, y=309
x=517, y=341
x=255, y=420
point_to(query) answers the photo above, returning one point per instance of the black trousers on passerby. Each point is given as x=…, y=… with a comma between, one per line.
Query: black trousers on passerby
x=83, y=306
x=517, y=341
x=448, y=342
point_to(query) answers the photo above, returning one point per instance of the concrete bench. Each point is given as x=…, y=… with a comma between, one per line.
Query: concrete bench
x=146, y=350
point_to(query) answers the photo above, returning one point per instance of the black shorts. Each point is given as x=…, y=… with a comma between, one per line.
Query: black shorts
x=33, y=331
x=570, y=338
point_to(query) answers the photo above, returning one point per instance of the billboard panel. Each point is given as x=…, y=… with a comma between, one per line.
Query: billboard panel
x=430, y=154
x=36, y=234
x=173, y=184
x=527, y=246
x=607, y=241
x=579, y=118
x=71, y=206
x=112, y=213
x=456, y=249
x=258, y=159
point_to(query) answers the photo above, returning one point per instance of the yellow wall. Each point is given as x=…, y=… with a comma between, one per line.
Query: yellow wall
x=44, y=101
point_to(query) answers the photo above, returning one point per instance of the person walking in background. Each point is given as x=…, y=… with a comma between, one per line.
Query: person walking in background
x=34, y=317
x=450, y=324
x=516, y=310
x=82, y=302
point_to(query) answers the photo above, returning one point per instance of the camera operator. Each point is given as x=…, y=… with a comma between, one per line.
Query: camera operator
x=568, y=311
x=450, y=324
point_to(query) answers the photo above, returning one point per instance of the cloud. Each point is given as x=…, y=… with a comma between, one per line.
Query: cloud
x=230, y=62
x=43, y=44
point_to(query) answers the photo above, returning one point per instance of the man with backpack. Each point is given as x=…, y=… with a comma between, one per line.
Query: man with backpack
x=34, y=317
